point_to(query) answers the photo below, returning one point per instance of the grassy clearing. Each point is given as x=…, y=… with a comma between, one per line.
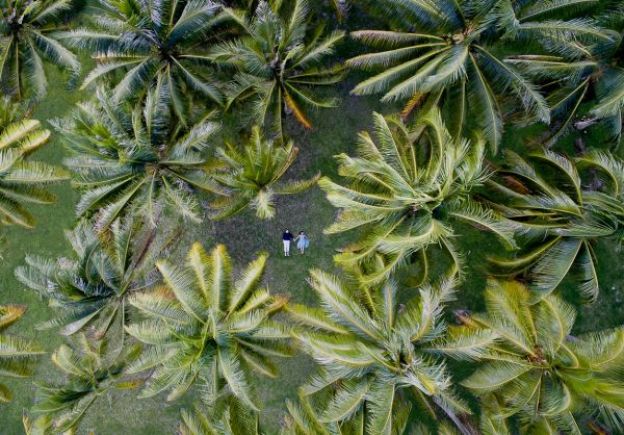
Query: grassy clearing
x=335, y=131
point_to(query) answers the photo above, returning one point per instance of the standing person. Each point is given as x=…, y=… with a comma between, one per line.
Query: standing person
x=302, y=242
x=286, y=239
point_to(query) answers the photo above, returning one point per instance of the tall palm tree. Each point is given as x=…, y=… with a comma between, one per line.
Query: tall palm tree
x=17, y=355
x=408, y=189
x=561, y=215
x=251, y=177
x=451, y=51
x=136, y=160
x=537, y=370
x=28, y=39
x=584, y=80
x=279, y=64
x=90, y=373
x=205, y=327
x=22, y=181
x=378, y=355
x=90, y=291
x=140, y=46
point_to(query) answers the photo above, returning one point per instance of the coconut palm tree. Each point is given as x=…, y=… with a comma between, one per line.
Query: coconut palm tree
x=561, y=216
x=585, y=80
x=303, y=418
x=378, y=355
x=90, y=373
x=251, y=177
x=90, y=291
x=537, y=370
x=140, y=46
x=279, y=65
x=17, y=355
x=22, y=181
x=28, y=40
x=408, y=190
x=207, y=328
x=136, y=160
x=450, y=52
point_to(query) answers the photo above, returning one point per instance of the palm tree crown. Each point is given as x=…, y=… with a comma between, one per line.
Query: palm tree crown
x=378, y=353
x=205, y=327
x=136, y=160
x=454, y=54
x=561, y=215
x=251, y=177
x=537, y=370
x=28, y=38
x=22, y=181
x=407, y=190
x=91, y=289
x=277, y=66
x=17, y=355
x=141, y=45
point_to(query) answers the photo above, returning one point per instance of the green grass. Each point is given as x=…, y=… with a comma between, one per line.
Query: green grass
x=335, y=131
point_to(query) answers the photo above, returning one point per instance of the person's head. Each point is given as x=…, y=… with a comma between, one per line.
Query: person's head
x=287, y=230
x=301, y=233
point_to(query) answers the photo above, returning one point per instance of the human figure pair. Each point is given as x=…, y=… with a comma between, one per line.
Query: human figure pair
x=301, y=240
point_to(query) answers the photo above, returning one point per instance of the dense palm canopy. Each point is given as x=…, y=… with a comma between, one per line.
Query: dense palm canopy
x=450, y=52
x=377, y=355
x=408, y=190
x=90, y=290
x=136, y=160
x=22, y=182
x=229, y=417
x=279, y=64
x=17, y=355
x=28, y=40
x=537, y=370
x=205, y=327
x=251, y=177
x=563, y=205
x=141, y=45
x=90, y=373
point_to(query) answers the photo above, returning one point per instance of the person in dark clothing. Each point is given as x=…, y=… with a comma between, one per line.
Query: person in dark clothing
x=286, y=239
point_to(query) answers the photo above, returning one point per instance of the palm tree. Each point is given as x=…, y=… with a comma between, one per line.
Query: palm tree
x=408, y=189
x=22, y=182
x=537, y=370
x=251, y=177
x=451, y=51
x=141, y=46
x=136, y=159
x=91, y=289
x=278, y=67
x=378, y=355
x=90, y=373
x=204, y=327
x=17, y=355
x=585, y=79
x=28, y=38
x=561, y=215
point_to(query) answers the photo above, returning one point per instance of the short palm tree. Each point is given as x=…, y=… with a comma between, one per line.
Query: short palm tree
x=140, y=46
x=251, y=176
x=561, y=215
x=451, y=53
x=205, y=327
x=228, y=417
x=22, y=182
x=537, y=370
x=28, y=39
x=89, y=291
x=278, y=66
x=376, y=354
x=90, y=373
x=136, y=160
x=409, y=187
x=17, y=355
